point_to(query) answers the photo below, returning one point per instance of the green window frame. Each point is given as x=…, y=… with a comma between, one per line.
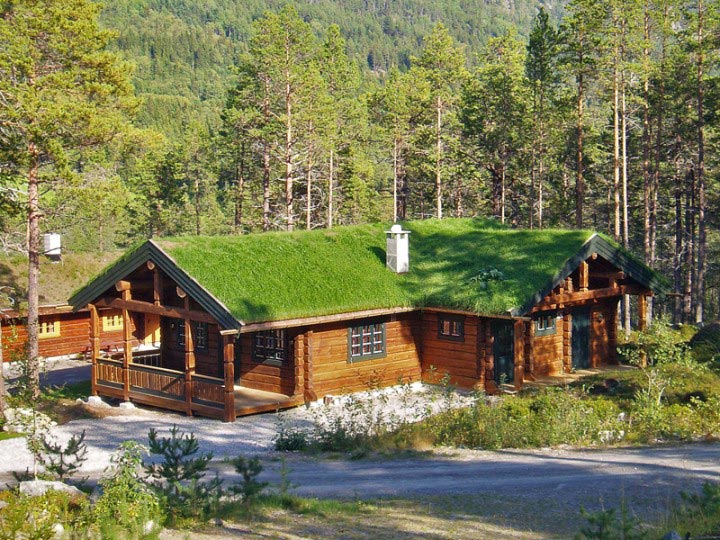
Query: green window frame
x=366, y=342
x=451, y=327
x=546, y=324
x=270, y=347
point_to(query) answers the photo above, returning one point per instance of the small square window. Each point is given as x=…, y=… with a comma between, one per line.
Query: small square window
x=48, y=329
x=545, y=325
x=112, y=323
x=270, y=347
x=451, y=327
x=366, y=342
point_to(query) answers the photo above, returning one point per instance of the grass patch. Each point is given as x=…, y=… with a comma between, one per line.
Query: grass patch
x=71, y=391
x=5, y=435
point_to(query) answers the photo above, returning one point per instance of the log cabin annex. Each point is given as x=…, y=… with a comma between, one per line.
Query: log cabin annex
x=226, y=326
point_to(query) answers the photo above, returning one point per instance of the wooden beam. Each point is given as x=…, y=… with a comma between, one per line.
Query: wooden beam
x=309, y=391
x=519, y=353
x=94, y=347
x=123, y=285
x=127, y=347
x=642, y=312
x=229, y=373
x=180, y=292
x=616, y=275
x=583, y=276
x=157, y=287
x=338, y=317
x=590, y=294
x=146, y=307
x=299, y=365
x=150, y=265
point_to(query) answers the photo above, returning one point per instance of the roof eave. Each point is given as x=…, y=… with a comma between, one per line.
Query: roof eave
x=151, y=251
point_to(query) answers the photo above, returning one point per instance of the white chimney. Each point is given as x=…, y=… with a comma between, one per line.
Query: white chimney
x=52, y=246
x=398, y=249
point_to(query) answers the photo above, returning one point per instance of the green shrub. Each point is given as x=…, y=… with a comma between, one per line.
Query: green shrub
x=705, y=344
x=43, y=517
x=127, y=508
x=249, y=487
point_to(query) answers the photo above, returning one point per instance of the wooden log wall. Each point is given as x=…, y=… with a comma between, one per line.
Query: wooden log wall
x=333, y=374
x=548, y=351
x=74, y=338
x=263, y=376
x=207, y=361
x=459, y=360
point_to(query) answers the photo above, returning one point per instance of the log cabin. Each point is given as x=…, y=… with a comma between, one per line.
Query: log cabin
x=244, y=324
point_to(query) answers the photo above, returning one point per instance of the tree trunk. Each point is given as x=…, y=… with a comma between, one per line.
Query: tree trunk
x=579, y=178
x=616, y=151
x=702, y=233
x=308, y=193
x=331, y=186
x=33, y=245
x=288, y=157
x=678, y=255
x=625, y=230
x=438, y=158
x=266, y=161
x=239, y=189
x=395, y=179
x=689, y=246
x=2, y=376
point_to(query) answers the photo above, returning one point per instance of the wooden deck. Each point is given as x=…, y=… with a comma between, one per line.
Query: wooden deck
x=251, y=401
x=567, y=378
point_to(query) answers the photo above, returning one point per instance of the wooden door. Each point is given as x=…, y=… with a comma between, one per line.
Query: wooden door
x=581, y=339
x=503, y=338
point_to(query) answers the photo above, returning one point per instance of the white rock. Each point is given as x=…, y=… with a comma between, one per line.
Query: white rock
x=25, y=420
x=3, y=504
x=149, y=527
x=96, y=401
x=127, y=405
x=59, y=530
x=36, y=488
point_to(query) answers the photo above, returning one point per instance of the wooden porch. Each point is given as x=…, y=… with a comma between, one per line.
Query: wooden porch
x=145, y=383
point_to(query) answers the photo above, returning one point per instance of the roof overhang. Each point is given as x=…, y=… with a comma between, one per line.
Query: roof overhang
x=150, y=251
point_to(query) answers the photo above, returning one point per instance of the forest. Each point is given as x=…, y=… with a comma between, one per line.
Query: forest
x=170, y=117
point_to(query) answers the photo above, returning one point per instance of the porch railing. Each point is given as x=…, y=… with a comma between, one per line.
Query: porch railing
x=161, y=387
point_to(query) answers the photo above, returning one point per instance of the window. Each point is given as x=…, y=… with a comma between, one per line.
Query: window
x=545, y=325
x=366, y=342
x=201, y=335
x=48, y=329
x=111, y=323
x=451, y=327
x=269, y=347
x=180, y=332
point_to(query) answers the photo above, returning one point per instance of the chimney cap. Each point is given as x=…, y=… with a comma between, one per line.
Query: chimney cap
x=397, y=229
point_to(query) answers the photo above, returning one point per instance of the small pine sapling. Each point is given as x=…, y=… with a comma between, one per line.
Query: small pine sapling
x=249, y=487
x=63, y=461
x=178, y=477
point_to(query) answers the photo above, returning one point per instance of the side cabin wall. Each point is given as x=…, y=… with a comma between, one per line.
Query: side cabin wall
x=70, y=335
x=459, y=360
x=318, y=362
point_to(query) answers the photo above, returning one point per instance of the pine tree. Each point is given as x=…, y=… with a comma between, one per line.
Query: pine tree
x=62, y=93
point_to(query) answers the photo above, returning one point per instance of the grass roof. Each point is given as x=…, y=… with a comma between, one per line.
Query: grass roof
x=464, y=264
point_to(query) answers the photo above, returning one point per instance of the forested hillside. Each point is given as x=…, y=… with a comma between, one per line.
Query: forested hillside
x=256, y=117
x=184, y=49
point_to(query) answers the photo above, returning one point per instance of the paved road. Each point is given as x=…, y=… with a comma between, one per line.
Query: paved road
x=654, y=475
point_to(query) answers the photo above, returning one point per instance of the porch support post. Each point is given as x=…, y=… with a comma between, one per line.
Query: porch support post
x=480, y=356
x=299, y=356
x=583, y=276
x=94, y=347
x=157, y=286
x=642, y=312
x=567, y=341
x=189, y=360
x=127, y=347
x=229, y=372
x=529, y=350
x=519, y=353
x=490, y=385
x=309, y=390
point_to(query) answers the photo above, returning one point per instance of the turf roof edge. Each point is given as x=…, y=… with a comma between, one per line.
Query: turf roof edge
x=151, y=251
x=611, y=252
